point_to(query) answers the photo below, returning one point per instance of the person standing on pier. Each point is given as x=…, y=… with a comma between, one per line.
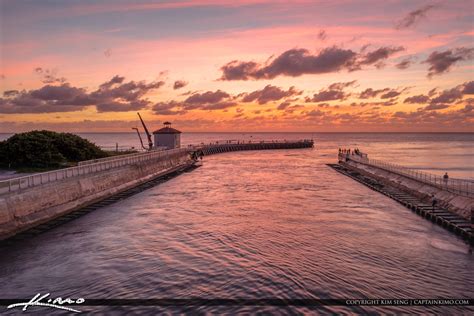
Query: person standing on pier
x=445, y=179
x=434, y=201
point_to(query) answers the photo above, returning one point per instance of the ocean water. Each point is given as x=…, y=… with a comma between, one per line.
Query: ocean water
x=430, y=152
x=268, y=224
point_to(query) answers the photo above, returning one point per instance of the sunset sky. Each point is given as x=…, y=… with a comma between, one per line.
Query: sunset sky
x=252, y=65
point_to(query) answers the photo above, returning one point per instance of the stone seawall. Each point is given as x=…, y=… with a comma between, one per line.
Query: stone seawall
x=458, y=204
x=32, y=206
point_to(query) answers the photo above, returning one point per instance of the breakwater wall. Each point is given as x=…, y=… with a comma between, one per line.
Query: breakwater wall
x=454, y=195
x=229, y=146
x=29, y=201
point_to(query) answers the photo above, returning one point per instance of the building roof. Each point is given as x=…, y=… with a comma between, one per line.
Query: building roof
x=167, y=130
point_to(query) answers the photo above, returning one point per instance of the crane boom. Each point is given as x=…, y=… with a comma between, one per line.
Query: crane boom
x=148, y=135
x=139, y=136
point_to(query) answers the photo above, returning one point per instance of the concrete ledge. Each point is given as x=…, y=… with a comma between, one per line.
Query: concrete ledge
x=29, y=207
x=458, y=204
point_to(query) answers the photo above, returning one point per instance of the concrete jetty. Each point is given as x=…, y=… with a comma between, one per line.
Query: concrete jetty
x=27, y=202
x=229, y=146
x=415, y=190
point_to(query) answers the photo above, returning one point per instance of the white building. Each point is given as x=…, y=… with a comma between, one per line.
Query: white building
x=167, y=137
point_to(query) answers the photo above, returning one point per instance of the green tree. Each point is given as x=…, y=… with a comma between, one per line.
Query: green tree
x=44, y=149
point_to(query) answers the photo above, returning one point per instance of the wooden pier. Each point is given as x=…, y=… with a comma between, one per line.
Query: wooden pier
x=217, y=148
x=451, y=221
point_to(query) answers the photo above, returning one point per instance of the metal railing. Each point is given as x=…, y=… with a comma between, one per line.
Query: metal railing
x=458, y=186
x=88, y=162
x=37, y=179
x=255, y=141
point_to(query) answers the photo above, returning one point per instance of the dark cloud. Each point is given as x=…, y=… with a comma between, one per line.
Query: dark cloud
x=293, y=108
x=113, y=95
x=117, y=106
x=374, y=104
x=391, y=94
x=448, y=96
x=238, y=70
x=218, y=106
x=432, y=92
x=293, y=63
x=429, y=116
x=283, y=105
x=468, y=87
x=322, y=35
x=10, y=93
x=335, y=91
x=328, y=95
x=210, y=100
x=63, y=93
x=49, y=76
x=119, y=91
x=168, y=108
x=404, y=64
x=387, y=103
x=371, y=93
x=114, y=81
x=385, y=93
x=377, y=56
x=417, y=99
x=342, y=85
x=297, y=62
x=434, y=107
x=414, y=17
x=178, y=84
x=315, y=113
x=207, y=97
x=269, y=93
x=441, y=62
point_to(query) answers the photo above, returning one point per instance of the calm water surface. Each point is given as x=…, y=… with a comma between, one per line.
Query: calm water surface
x=269, y=224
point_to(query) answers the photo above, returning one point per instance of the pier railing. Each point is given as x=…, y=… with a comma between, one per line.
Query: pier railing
x=37, y=179
x=458, y=186
x=236, y=145
x=255, y=141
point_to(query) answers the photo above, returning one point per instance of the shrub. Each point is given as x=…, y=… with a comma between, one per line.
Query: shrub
x=44, y=149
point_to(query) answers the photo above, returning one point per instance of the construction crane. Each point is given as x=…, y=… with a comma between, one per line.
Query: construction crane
x=139, y=136
x=148, y=135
